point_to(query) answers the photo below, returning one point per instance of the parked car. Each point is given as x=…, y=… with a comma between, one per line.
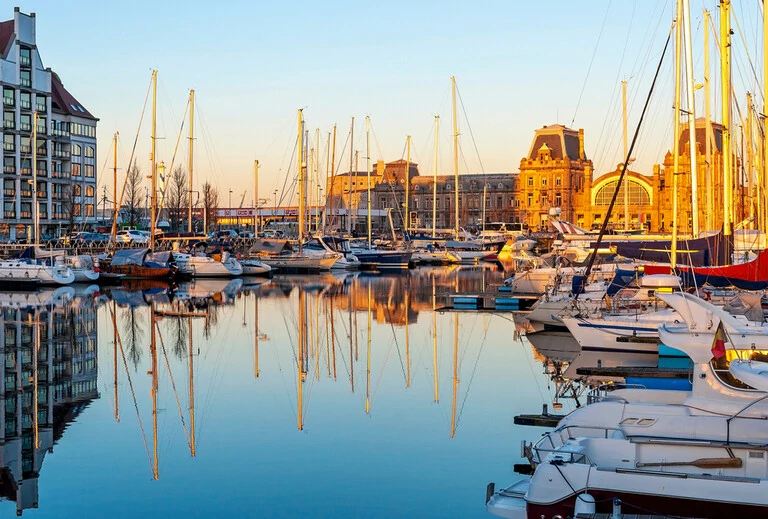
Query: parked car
x=226, y=235
x=132, y=236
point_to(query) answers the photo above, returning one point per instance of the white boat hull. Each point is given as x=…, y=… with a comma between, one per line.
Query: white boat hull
x=25, y=272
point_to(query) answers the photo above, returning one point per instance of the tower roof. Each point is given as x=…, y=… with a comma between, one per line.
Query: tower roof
x=561, y=142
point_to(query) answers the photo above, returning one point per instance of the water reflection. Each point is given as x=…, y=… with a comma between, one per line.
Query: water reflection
x=175, y=358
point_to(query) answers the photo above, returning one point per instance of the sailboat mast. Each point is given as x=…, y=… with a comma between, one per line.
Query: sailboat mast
x=317, y=180
x=624, y=128
x=748, y=133
x=455, y=371
x=763, y=203
x=255, y=198
x=455, y=158
x=153, y=391
x=368, y=356
x=329, y=162
x=300, y=168
x=407, y=184
x=708, y=127
x=725, y=83
x=434, y=179
x=368, y=171
x=351, y=162
x=676, y=133
x=191, y=389
x=407, y=340
x=485, y=198
x=300, y=359
x=434, y=341
x=114, y=183
x=153, y=165
x=191, y=155
x=35, y=209
x=114, y=358
x=693, y=148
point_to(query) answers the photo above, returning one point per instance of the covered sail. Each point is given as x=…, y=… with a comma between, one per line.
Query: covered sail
x=699, y=252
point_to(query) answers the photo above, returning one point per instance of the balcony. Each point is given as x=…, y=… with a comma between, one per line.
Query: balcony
x=25, y=61
x=41, y=108
x=42, y=194
x=60, y=154
x=61, y=174
x=9, y=101
x=41, y=129
x=9, y=125
x=59, y=216
x=9, y=214
x=25, y=127
x=57, y=195
x=9, y=146
x=11, y=169
x=9, y=192
x=42, y=151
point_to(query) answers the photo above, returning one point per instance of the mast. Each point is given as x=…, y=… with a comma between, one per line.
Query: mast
x=368, y=357
x=153, y=166
x=763, y=223
x=191, y=154
x=725, y=82
x=407, y=339
x=329, y=162
x=255, y=198
x=624, y=127
x=300, y=358
x=434, y=341
x=676, y=145
x=317, y=180
x=455, y=158
x=256, y=336
x=485, y=198
x=114, y=188
x=693, y=148
x=407, y=184
x=35, y=210
x=455, y=371
x=357, y=198
x=191, y=390
x=351, y=161
x=368, y=170
x=748, y=133
x=153, y=391
x=708, y=127
x=434, y=180
x=299, y=166
x=114, y=358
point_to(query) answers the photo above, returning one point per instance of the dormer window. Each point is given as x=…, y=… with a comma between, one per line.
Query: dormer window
x=544, y=152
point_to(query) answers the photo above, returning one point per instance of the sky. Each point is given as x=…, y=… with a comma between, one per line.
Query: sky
x=518, y=66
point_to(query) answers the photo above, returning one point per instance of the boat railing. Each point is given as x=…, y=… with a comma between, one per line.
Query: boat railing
x=604, y=392
x=553, y=441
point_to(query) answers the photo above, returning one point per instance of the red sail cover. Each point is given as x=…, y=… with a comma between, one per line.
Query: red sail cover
x=752, y=275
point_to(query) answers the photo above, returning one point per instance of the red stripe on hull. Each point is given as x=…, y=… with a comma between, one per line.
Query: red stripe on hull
x=650, y=504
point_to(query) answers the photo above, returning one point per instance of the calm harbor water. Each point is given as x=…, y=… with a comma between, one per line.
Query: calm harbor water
x=301, y=396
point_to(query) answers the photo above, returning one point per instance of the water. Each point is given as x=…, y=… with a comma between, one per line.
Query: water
x=348, y=428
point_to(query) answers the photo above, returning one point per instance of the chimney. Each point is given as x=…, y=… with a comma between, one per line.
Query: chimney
x=581, y=144
x=380, y=167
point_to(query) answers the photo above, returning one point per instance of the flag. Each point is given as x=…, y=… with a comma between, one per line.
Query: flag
x=718, y=345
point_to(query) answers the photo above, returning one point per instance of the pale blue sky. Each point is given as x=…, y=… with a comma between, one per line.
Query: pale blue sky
x=519, y=65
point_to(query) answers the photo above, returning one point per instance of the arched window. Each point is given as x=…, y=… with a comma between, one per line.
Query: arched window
x=638, y=195
x=76, y=149
x=89, y=190
x=89, y=151
x=76, y=190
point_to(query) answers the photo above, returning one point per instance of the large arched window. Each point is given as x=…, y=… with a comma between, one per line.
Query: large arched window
x=638, y=195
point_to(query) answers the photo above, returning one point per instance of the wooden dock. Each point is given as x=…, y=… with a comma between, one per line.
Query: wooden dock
x=502, y=299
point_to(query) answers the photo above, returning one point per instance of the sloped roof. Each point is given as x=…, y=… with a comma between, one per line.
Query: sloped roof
x=6, y=34
x=64, y=102
x=562, y=142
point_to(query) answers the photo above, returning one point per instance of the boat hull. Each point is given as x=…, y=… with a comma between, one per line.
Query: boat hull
x=299, y=263
x=384, y=259
x=141, y=272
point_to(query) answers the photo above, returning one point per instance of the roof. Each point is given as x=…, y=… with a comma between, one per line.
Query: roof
x=562, y=142
x=64, y=102
x=701, y=136
x=6, y=35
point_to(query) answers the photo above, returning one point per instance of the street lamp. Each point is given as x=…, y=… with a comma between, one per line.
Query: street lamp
x=274, y=213
x=230, y=206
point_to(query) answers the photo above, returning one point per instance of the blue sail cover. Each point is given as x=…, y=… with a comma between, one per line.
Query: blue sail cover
x=698, y=252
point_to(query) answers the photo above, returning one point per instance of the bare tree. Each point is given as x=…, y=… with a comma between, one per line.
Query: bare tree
x=177, y=197
x=210, y=202
x=132, y=198
x=68, y=206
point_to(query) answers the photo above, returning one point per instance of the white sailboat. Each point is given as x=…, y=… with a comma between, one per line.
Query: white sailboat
x=200, y=265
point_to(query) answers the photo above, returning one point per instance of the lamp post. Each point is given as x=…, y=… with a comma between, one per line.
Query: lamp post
x=230, y=206
x=274, y=213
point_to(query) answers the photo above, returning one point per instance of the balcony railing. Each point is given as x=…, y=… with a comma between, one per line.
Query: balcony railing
x=9, y=169
x=26, y=148
x=57, y=196
x=25, y=105
x=42, y=194
x=60, y=174
x=41, y=108
x=42, y=150
x=9, y=146
x=9, y=214
x=25, y=61
x=60, y=154
x=59, y=133
x=9, y=125
x=9, y=192
x=9, y=101
x=41, y=129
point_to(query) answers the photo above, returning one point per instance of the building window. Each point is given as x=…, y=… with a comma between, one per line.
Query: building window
x=9, y=164
x=89, y=151
x=638, y=195
x=382, y=200
x=25, y=100
x=77, y=190
x=25, y=78
x=416, y=203
x=25, y=57
x=530, y=181
x=558, y=200
x=544, y=201
x=88, y=209
x=77, y=210
x=9, y=120
x=75, y=169
x=88, y=170
x=530, y=200
x=558, y=181
x=89, y=191
x=25, y=123
x=544, y=181
x=76, y=150
x=9, y=210
x=9, y=97
x=499, y=201
x=9, y=142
